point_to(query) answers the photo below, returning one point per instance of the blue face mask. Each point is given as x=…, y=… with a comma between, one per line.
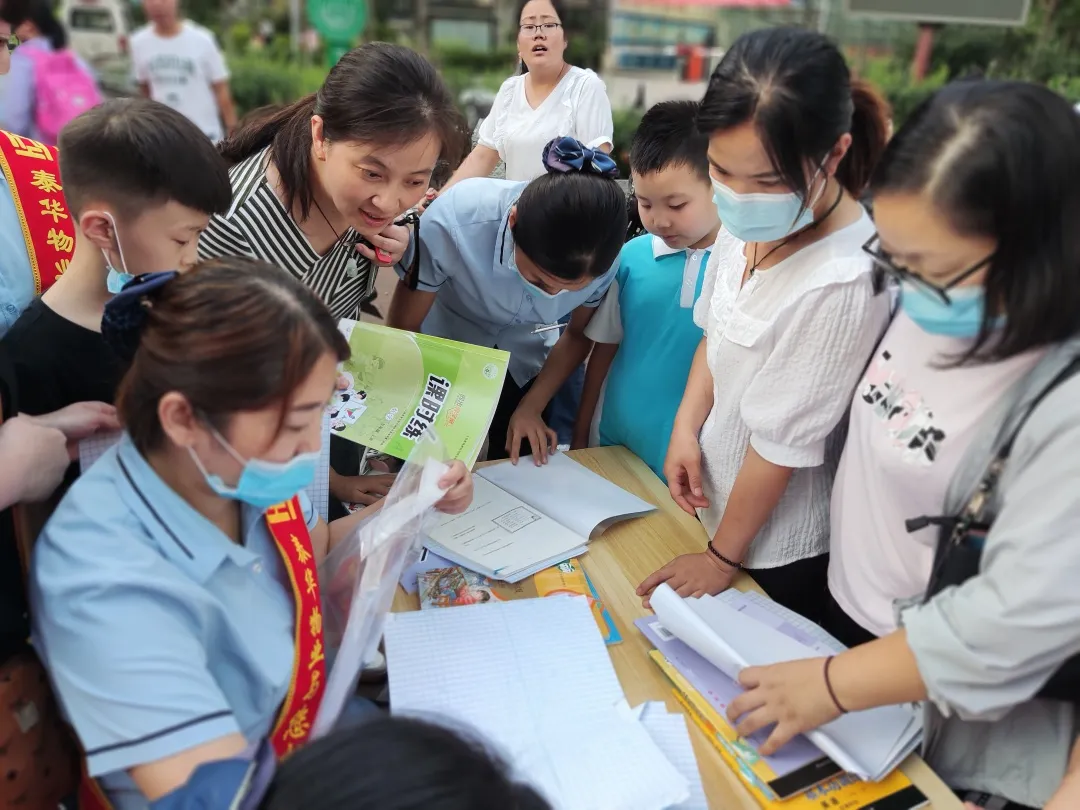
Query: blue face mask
x=117, y=278
x=535, y=291
x=962, y=318
x=762, y=217
x=262, y=484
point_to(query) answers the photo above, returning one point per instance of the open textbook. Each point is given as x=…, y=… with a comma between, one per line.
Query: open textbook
x=403, y=383
x=869, y=744
x=525, y=518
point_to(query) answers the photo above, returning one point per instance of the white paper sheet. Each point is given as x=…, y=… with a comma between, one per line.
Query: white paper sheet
x=671, y=736
x=573, y=495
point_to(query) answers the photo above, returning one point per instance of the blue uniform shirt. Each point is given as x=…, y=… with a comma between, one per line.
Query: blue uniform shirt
x=466, y=257
x=16, y=276
x=650, y=313
x=158, y=632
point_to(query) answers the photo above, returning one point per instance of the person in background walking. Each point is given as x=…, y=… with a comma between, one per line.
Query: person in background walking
x=48, y=84
x=179, y=64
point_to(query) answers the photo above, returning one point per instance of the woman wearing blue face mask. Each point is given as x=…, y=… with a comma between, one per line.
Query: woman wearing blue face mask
x=789, y=312
x=955, y=505
x=500, y=260
x=175, y=594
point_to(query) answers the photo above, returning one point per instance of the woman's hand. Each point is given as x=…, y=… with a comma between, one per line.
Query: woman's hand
x=35, y=459
x=458, y=484
x=390, y=245
x=362, y=489
x=80, y=420
x=528, y=424
x=793, y=696
x=690, y=575
x=682, y=468
x=429, y=198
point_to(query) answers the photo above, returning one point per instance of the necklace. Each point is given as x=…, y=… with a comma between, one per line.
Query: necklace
x=757, y=262
x=352, y=267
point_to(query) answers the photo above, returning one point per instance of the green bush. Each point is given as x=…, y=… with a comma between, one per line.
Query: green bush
x=257, y=81
x=892, y=78
x=459, y=57
x=626, y=123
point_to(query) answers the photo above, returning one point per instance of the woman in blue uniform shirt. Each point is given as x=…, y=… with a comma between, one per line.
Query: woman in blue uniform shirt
x=499, y=260
x=161, y=606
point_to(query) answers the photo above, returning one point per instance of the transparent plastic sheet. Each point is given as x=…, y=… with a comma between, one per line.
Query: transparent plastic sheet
x=359, y=576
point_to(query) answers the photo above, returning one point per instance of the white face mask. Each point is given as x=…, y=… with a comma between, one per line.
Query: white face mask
x=117, y=278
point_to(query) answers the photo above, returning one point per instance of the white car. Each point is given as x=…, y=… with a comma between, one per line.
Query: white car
x=98, y=29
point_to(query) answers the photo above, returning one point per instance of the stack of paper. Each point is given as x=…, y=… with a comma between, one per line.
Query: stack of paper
x=733, y=632
x=526, y=518
x=533, y=679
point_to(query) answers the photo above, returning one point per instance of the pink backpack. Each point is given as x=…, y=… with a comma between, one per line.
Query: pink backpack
x=63, y=89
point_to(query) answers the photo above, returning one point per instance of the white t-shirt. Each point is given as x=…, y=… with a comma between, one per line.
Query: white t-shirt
x=785, y=351
x=180, y=71
x=577, y=107
x=911, y=423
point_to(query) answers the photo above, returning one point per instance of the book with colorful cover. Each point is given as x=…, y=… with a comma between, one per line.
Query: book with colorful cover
x=403, y=383
x=452, y=587
x=845, y=792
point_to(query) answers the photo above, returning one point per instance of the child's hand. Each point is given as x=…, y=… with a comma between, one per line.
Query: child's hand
x=390, y=245
x=528, y=425
x=458, y=484
x=362, y=489
x=682, y=468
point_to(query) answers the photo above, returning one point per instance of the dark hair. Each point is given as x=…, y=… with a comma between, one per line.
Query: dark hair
x=555, y=4
x=668, y=136
x=794, y=85
x=40, y=13
x=134, y=152
x=377, y=93
x=231, y=335
x=394, y=763
x=572, y=220
x=1000, y=159
x=13, y=12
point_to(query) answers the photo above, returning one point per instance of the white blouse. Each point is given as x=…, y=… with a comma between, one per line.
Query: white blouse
x=577, y=107
x=785, y=351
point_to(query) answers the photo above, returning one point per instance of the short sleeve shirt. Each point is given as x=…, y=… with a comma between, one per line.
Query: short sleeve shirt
x=16, y=275
x=657, y=288
x=466, y=258
x=158, y=632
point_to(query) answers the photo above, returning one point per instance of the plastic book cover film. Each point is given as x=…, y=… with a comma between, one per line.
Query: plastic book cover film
x=452, y=587
x=402, y=383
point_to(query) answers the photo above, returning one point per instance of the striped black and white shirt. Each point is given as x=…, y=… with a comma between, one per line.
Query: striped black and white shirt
x=258, y=226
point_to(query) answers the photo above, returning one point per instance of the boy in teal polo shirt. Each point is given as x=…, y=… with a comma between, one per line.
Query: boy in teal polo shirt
x=644, y=330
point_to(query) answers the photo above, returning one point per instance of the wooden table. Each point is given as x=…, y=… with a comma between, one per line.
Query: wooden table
x=620, y=559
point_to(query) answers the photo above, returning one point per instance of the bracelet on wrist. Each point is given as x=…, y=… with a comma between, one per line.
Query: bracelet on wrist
x=829, y=686
x=712, y=549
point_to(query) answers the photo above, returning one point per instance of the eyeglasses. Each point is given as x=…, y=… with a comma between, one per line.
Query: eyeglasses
x=884, y=265
x=542, y=28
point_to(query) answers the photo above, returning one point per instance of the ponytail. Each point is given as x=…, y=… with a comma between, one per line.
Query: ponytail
x=869, y=135
x=288, y=133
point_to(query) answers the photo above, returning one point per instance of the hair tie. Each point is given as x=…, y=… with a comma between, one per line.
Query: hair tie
x=566, y=155
x=125, y=313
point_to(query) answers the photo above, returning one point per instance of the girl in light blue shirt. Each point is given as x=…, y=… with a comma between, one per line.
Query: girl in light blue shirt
x=499, y=262
x=162, y=606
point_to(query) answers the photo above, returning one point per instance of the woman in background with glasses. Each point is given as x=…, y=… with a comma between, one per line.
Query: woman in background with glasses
x=956, y=497
x=549, y=98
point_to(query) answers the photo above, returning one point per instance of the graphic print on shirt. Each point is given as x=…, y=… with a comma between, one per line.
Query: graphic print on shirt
x=908, y=420
x=170, y=73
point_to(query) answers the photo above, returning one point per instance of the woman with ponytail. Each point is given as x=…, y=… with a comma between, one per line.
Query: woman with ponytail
x=502, y=264
x=789, y=311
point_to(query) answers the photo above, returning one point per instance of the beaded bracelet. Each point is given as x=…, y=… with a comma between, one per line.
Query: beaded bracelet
x=723, y=559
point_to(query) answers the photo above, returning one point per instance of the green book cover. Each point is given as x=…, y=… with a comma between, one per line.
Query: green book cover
x=401, y=384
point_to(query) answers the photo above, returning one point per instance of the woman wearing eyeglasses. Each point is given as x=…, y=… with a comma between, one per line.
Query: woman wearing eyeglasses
x=548, y=99
x=956, y=497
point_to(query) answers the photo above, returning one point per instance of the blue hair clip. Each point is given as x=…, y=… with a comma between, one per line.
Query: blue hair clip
x=564, y=155
x=125, y=313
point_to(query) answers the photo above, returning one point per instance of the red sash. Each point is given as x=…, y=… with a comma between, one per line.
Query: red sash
x=33, y=174
x=308, y=681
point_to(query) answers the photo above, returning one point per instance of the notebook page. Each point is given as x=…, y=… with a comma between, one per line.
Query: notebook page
x=563, y=489
x=671, y=736
x=499, y=535
x=93, y=447
x=787, y=621
x=319, y=491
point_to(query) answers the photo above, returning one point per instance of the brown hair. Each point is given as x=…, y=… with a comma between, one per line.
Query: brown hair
x=377, y=93
x=230, y=335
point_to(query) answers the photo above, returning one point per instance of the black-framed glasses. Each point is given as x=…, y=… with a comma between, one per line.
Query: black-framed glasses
x=543, y=28
x=884, y=265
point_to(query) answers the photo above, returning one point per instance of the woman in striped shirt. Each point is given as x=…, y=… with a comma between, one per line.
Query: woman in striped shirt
x=317, y=187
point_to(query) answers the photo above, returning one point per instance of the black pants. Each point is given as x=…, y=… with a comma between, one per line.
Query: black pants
x=801, y=586
x=845, y=628
x=509, y=399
